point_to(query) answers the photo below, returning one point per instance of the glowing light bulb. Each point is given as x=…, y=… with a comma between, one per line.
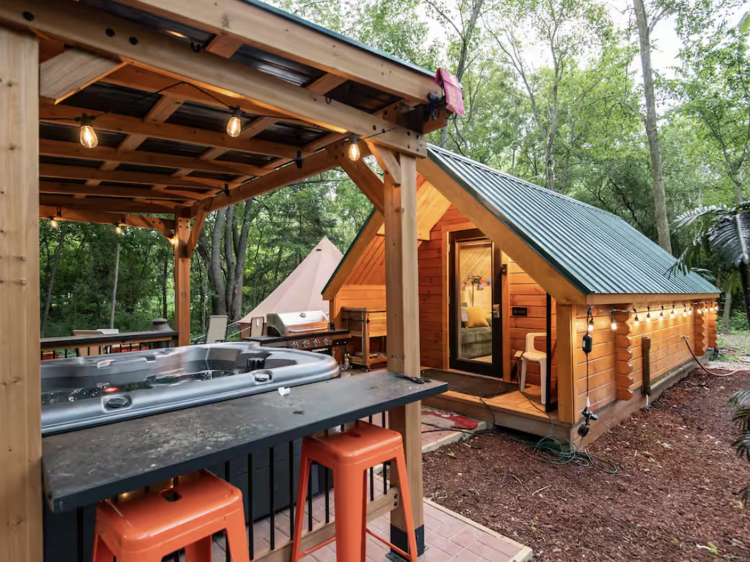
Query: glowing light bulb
x=684, y=310
x=648, y=317
x=671, y=314
x=636, y=322
x=88, y=135
x=234, y=125
x=53, y=223
x=174, y=240
x=700, y=310
x=118, y=230
x=354, y=152
x=614, y=324
x=661, y=314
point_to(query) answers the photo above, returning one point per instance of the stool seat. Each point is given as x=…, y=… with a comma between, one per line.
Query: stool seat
x=364, y=444
x=149, y=526
x=349, y=454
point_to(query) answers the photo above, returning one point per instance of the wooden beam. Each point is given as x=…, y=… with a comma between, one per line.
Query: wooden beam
x=195, y=231
x=164, y=226
x=21, y=525
x=182, y=281
x=62, y=188
x=108, y=205
x=77, y=150
x=387, y=161
x=562, y=290
x=67, y=115
x=312, y=166
x=567, y=341
x=601, y=298
x=149, y=81
x=326, y=83
x=224, y=45
x=71, y=71
x=80, y=25
x=402, y=303
x=122, y=176
x=279, y=33
x=363, y=177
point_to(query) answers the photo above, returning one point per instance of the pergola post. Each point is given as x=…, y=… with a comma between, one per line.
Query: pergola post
x=402, y=303
x=20, y=385
x=182, y=280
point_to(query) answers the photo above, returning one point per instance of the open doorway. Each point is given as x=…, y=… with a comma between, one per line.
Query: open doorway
x=475, y=303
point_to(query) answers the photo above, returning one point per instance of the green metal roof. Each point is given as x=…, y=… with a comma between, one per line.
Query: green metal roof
x=338, y=36
x=596, y=251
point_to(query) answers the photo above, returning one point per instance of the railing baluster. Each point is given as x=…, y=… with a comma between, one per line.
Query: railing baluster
x=271, y=471
x=372, y=475
x=326, y=476
x=79, y=534
x=385, y=464
x=250, y=516
x=291, y=488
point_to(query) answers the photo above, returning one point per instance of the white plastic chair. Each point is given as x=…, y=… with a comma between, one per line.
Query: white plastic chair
x=531, y=354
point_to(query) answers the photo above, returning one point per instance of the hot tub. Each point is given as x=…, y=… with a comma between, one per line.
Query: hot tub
x=87, y=391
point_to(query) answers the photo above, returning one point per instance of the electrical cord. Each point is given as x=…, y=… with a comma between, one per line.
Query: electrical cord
x=690, y=349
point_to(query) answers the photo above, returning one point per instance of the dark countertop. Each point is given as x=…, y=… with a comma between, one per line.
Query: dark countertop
x=86, y=466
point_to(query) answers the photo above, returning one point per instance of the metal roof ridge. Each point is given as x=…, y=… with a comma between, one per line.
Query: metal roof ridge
x=344, y=38
x=539, y=188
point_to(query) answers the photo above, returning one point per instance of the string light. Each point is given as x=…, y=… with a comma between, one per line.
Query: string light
x=614, y=324
x=234, y=125
x=354, y=152
x=648, y=315
x=684, y=309
x=661, y=314
x=700, y=310
x=671, y=314
x=118, y=229
x=52, y=222
x=636, y=322
x=690, y=310
x=716, y=307
x=174, y=240
x=591, y=324
x=88, y=135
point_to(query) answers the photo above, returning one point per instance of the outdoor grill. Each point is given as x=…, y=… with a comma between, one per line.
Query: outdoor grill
x=308, y=330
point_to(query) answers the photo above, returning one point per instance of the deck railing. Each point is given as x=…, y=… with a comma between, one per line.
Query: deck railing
x=76, y=346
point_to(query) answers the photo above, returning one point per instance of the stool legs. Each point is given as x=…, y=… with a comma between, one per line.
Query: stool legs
x=236, y=537
x=102, y=553
x=522, y=382
x=199, y=551
x=299, y=513
x=350, y=516
x=543, y=371
x=403, y=484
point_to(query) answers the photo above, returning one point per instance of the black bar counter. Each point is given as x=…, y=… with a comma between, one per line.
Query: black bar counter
x=86, y=466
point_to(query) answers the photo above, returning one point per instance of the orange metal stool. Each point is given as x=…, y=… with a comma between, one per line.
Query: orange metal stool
x=349, y=455
x=148, y=527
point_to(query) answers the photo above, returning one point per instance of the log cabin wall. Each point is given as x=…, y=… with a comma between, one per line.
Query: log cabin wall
x=616, y=360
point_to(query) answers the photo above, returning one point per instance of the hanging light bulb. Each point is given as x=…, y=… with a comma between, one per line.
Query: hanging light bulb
x=174, y=240
x=716, y=307
x=614, y=324
x=591, y=324
x=671, y=314
x=52, y=222
x=700, y=310
x=354, y=152
x=88, y=135
x=234, y=125
x=690, y=310
x=661, y=314
x=118, y=229
x=648, y=314
x=684, y=309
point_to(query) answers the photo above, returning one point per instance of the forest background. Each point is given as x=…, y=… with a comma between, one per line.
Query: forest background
x=641, y=109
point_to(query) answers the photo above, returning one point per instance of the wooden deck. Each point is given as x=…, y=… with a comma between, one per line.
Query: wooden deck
x=522, y=412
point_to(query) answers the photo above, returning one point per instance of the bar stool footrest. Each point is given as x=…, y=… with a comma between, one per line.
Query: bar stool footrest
x=400, y=552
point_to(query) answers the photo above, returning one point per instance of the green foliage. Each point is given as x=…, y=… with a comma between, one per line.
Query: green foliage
x=741, y=403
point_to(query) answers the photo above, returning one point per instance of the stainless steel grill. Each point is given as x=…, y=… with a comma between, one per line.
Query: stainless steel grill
x=288, y=324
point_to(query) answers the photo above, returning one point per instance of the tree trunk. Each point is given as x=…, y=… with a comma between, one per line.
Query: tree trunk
x=657, y=171
x=114, y=286
x=164, y=288
x=53, y=272
x=745, y=276
x=727, y=313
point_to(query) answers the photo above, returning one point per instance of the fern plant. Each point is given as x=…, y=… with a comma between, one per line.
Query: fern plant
x=741, y=401
x=723, y=235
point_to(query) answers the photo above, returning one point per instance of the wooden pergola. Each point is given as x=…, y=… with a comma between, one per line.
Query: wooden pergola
x=160, y=79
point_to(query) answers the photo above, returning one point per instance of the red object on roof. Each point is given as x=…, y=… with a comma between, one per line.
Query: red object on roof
x=454, y=97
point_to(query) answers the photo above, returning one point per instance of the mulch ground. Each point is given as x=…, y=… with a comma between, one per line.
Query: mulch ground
x=675, y=496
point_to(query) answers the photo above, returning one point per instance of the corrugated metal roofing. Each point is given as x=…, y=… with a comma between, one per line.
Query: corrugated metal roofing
x=596, y=251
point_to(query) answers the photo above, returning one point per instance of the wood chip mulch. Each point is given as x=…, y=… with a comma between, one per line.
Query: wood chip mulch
x=675, y=496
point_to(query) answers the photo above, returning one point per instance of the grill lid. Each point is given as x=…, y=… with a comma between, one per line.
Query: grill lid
x=290, y=323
